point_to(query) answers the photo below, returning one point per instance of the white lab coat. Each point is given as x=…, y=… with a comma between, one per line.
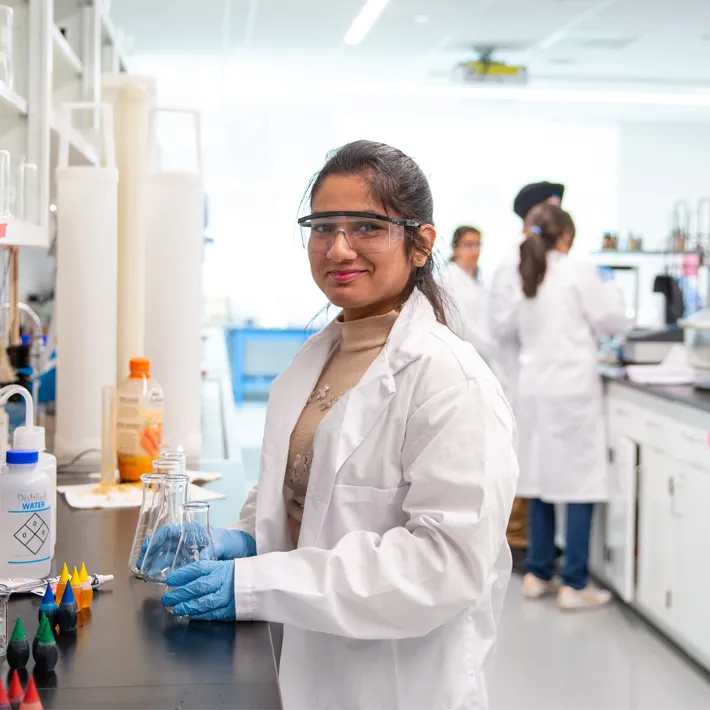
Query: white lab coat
x=391, y=599
x=467, y=309
x=506, y=295
x=560, y=414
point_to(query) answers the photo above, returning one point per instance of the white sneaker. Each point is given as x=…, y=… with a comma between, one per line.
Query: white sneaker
x=534, y=587
x=587, y=598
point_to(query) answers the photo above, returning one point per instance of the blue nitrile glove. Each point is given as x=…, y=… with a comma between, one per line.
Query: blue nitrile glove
x=204, y=591
x=232, y=544
x=228, y=544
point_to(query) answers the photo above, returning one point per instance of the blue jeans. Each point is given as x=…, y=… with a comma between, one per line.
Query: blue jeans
x=540, y=559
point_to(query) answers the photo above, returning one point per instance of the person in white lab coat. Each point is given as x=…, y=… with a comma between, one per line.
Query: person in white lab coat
x=562, y=447
x=387, y=474
x=467, y=314
x=506, y=294
x=506, y=297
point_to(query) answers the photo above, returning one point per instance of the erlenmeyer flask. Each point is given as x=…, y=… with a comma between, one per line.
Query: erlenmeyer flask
x=174, y=453
x=152, y=497
x=196, y=537
x=159, y=556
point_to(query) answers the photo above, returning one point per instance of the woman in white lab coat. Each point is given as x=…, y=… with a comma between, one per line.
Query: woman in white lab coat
x=387, y=473
x=467, y=314
x=559, y=411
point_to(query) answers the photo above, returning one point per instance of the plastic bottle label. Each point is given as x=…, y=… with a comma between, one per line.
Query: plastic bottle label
x=139, y=430
x=29, y=521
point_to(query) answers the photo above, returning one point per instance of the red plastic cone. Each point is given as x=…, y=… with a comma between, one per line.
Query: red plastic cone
x=15, y=690
x=31, y=701
x=4, y=700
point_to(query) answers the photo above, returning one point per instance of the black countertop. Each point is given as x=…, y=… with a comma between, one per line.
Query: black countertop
x=681, y=394
x=129, y=652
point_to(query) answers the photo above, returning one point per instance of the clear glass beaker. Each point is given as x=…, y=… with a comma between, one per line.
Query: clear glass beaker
x=159, y=557
x=152, y=497
x=28, y=195
x=195, y=537
x=4, y=598
x=108, y=440
x=7, y=75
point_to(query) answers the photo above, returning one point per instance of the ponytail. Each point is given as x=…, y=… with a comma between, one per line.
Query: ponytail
x=544, y=225
x=533, y=264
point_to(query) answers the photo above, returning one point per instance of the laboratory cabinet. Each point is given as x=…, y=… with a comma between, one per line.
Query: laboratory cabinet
x=649, y=540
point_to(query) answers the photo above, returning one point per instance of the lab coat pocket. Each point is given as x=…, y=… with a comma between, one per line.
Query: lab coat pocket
x=367, y=508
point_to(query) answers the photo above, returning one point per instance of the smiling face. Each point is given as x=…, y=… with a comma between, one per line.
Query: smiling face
x=362, y=285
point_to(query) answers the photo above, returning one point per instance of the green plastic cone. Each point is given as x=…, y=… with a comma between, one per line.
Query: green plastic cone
x=18, y=633
x=44, y=633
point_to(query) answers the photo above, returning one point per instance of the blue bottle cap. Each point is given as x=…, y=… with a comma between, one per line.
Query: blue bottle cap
x=48, y=600
x=68, y=596
x=21, y=456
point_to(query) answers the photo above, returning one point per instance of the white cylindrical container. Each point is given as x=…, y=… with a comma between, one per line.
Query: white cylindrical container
x=33, y=438
x=133, y=98
x=174, y=298
x=25, y=517
x=86, y=302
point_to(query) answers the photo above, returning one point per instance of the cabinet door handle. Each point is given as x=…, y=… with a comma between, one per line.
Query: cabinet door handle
x=692, y=439
x=671, y=486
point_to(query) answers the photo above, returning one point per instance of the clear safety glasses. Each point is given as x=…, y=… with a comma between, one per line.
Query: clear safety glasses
x=365, y=232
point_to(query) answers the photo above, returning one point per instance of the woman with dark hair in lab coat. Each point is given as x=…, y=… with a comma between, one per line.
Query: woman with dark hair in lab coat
x=376, y=533
x=562, y=449
x=467, y=314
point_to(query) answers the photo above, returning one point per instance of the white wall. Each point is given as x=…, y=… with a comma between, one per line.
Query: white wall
x=259, y=163
x=660, y=163
x=624, y=167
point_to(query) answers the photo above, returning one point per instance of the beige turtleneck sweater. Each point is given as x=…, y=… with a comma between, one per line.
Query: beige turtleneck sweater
x=362, y=341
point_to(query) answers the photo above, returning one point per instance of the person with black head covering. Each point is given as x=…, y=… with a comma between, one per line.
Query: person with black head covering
x=505, y=297
x=535, y=194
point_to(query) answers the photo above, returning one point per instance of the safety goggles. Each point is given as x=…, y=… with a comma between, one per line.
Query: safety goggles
x=365, y=232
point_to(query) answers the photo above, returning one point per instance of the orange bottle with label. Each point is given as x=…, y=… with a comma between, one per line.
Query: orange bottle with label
x=139, y=421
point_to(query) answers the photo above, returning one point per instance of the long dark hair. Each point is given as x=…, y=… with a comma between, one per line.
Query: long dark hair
x=399, y=184
x=544, y=225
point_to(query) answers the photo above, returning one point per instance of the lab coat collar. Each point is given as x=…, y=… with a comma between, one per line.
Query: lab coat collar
x=414, y=322
x=346, y=425
x=359, y=411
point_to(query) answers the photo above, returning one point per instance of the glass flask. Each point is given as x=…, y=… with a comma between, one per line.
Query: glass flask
x=4, y=598
x=7, y=192
x=196, y=536
x=160, y=556
x=152, y=496
x=6, y=63
x=174, y=453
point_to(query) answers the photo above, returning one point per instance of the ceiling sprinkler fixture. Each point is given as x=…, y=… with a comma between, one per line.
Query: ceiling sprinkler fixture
x=422, y=19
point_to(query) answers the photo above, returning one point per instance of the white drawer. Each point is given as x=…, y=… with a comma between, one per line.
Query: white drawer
x=625, y=418
x=657, y=430
x=692, y=445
